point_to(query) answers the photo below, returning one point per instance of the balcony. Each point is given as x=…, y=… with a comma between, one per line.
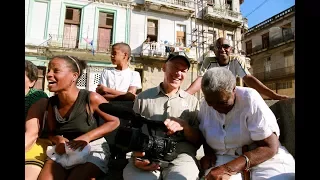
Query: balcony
x=276, y=73
x=161, y=50
x=223, y=15
x=177, y=7
x=271, y=20
x=73, y=46
x=273, y=42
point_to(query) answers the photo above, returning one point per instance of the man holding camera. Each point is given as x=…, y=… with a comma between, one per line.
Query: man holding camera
x=178, y=110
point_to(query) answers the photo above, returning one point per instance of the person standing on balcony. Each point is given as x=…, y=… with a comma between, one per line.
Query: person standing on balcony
x=119, y=83
x=236, y=66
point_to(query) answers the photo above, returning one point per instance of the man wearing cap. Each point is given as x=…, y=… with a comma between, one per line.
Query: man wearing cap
x=178, y=111
x=236, y=66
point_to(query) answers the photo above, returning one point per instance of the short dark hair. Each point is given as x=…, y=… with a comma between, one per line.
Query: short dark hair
x=124, y=48
x=31, y=70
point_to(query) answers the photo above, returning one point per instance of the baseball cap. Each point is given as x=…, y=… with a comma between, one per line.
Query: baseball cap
x=181, y=55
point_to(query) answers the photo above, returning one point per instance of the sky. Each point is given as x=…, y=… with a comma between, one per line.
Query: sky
x=268, y=9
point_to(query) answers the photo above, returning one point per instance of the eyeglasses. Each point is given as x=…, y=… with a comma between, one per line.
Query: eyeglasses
x=224, y=46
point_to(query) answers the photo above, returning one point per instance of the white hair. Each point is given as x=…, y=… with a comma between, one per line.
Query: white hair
x=218, y=79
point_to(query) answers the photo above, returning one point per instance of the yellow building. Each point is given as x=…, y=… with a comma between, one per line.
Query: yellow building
x=271, y=45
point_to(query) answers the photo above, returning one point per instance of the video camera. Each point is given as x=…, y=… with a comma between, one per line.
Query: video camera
x=157, y=149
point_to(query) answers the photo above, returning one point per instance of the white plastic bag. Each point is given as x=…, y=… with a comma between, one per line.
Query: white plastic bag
x=70, y=158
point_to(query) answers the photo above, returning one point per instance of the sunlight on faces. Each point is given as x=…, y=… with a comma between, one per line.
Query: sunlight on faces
x=60, y=75
x=222, y=51
x=222, y=101
x=117, y=55
x=175, y=72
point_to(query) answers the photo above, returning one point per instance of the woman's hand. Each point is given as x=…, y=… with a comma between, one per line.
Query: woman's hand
x=78, y=143
x=60, y=146
x=207, y=161
x=143, y=164
x=222, y=172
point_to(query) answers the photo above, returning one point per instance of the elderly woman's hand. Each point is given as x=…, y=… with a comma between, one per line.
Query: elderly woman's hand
x=222, y=172
x=207, y=161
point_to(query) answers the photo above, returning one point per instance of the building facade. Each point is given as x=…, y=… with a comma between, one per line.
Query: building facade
x=153, y=28
x=271, y=45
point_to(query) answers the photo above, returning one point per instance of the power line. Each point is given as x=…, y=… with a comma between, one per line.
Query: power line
x=256, y=8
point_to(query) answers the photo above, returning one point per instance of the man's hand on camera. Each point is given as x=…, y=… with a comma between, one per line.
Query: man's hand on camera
x=143, y=164
x=174, y=125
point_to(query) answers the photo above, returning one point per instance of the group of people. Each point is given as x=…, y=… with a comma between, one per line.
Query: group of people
x=227, y=119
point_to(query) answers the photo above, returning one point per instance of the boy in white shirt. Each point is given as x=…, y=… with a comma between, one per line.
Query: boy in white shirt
x=119, y=83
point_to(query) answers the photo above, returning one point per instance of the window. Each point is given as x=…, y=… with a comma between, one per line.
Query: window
x=231, y=39
x=210, y=2
x=71, y=28
x=38, y=23
x=229, y=4
x=41, y=78
x=288, y=58
x=249, y=47
x=287, y=32
x=105, y=31
x=210, y=36
x=181, y=35
x=285, y=85
x=267, y=65
x=265, y=40
x=152, y=30
x=271, y=86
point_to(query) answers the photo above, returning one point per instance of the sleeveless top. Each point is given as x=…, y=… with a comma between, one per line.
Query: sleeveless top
x=79, y=121
x=33, y=96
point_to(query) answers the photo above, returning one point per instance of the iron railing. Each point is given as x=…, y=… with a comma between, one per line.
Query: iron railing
x=274, y=42
x=273, y=18
x=275, y=73
x=223, y=12
x=74, y=42
x=179, y=3
x=158, y=49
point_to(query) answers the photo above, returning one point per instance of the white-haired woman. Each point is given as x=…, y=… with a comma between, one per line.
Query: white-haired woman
x=232, y=117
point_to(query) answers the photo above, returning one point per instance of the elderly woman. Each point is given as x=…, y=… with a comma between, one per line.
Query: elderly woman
x=34, y=147
x=232, y=117
x=71, y=124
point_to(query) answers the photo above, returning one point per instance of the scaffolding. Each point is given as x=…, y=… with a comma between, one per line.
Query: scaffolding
x=200, y=36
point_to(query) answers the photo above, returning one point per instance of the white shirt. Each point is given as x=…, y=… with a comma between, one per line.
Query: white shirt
x=120, y=80
x=249, y=120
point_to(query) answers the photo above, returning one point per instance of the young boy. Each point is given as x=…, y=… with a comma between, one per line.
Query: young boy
x=119, y=83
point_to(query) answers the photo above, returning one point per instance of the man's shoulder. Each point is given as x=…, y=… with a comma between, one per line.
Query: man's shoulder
x=210, y=59
x=238, y=58
x=148, y=93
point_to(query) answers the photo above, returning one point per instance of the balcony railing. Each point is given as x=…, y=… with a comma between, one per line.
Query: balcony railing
x=273, y=42
x=178, y=3
x=72, y=42
x=273, y=18
x=220, y=12
x=157, y=49
x=276, y=73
